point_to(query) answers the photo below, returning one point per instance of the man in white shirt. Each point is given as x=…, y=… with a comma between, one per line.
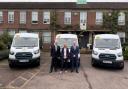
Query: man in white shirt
x=64, y=57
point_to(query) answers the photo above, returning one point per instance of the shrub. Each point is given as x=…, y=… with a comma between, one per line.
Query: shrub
x=2, y=45
x=125, y=54
x=5, y=39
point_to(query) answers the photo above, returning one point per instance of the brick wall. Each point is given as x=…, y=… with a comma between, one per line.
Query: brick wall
x=40, y=25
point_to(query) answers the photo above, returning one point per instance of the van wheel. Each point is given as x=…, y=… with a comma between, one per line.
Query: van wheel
x=11, y=65
x=121, y=67
x=93, y=63
x=38, y=62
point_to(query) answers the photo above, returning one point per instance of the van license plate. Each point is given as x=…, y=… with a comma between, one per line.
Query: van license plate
x=108, y=62
x=24, y=60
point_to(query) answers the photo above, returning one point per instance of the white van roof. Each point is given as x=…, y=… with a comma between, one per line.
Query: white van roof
x=66, y=36
x=107, y=36
x=34, y=35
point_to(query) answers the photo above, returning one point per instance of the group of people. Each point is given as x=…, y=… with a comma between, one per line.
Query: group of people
x=64, y=56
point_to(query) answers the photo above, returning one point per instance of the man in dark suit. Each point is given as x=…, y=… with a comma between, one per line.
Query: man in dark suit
x=74, y=52
x=64, y=57
x=55, y=54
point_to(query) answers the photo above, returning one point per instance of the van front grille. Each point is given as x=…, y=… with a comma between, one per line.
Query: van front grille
x=23, y=55
x=107, y=56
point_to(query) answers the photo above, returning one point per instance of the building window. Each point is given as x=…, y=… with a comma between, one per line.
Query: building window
x=11, y=17
x=46, y=37
x=1, y=31
x=99, y=18
x=22, y=17
x=83, y=17
x=121, y=18
x=1, y=17
x=22, y=31
x=122, y=36
x=11, y=32
x=34, y=17
x=46, y=17
x=67, y=18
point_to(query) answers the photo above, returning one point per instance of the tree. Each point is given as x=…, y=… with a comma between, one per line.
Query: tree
x=110, y=21
x=54, y=26
x=126, y=25
x=53, y=21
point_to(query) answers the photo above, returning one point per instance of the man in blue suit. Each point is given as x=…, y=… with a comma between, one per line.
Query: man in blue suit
x=55, y=54
x=74, y=52
x=64, y=57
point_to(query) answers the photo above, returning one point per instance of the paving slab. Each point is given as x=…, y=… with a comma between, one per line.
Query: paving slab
x=58, y=81
x=106, y=77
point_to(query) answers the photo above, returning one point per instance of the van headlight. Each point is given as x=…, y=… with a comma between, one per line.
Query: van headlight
x=120, y=54
x=37, y=51
x=11, y=53
x=94, y=52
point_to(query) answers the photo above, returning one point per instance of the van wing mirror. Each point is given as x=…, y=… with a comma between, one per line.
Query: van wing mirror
x=91, y=46
x=9, y=46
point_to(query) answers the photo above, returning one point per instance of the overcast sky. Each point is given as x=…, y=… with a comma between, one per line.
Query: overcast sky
x=62, y=0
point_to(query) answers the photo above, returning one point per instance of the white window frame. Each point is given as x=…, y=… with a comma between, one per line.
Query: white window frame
x=83, y=17
x=10, y=16
x=67, y=17
x=22, y=31
x=11, y=32
x=99, y=18
x=1, y=31
x=46, y=37
x=46, y=17
x=121, y=18
x=1, y=16
x=122, y=35
x=34, y=17
x=22, y=17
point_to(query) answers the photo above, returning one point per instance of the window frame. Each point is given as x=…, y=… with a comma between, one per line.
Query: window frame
x=120, y=21
x=67, y=17
x=33, y=20
x=23, y=15
x=46, y=19
x=47, y=37
x=1, y=16
x=11, y=30
x=99, y=20
x=11, y=16
x=22, y=31
x=83, y=17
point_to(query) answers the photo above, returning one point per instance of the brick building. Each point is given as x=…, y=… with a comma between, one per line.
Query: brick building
x=35, y=17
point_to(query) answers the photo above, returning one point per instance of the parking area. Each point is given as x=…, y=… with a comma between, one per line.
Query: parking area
x=40, y=78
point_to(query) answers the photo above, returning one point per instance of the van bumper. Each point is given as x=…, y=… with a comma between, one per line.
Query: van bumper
x=114, y=63
x=30, y=61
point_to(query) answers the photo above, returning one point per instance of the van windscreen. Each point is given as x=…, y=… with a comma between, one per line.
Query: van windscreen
x=68, y=41
x=25, y=42
x=107, y=43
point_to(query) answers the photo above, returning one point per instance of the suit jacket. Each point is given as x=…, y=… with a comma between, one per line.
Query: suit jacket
x=74, y=52
x=55, y=53
x=67, y=52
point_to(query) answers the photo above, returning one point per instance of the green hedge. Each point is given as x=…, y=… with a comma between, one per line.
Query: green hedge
x=125, y=50
x=5, y=39
x=4, y=54
x=125, y=53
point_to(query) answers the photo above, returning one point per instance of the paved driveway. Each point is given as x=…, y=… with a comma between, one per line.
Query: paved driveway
x=40, y=78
